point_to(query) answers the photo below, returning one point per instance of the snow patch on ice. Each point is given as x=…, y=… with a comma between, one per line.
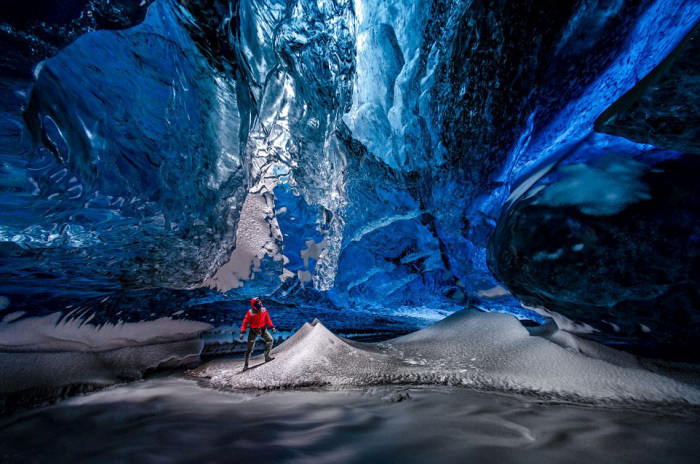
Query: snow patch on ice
x=258, y=235
x=563, y=322
x=493, y=292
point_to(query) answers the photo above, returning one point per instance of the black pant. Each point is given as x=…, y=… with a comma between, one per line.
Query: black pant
x=252, y=335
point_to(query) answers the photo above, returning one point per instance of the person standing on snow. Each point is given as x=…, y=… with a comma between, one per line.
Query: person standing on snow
x=257, y=318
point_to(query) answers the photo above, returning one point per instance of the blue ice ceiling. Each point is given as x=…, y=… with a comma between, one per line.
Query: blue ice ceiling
x=358, y=155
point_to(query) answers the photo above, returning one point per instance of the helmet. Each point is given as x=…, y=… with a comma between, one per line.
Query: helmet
x=256, y=303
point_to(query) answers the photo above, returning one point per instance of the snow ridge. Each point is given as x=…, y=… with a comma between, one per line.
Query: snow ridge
x=476, y=350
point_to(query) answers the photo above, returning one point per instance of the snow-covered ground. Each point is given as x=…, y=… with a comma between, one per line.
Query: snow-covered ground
x=544, y=397
x=470, y=349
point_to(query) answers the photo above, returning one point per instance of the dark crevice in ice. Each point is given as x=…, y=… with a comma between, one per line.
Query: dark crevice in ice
x=663, y=108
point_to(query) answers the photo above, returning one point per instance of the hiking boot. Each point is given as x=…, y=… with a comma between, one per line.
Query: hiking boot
x=269, y=358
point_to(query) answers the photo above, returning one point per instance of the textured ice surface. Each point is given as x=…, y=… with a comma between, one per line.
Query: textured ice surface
x=173, y=420
x=48, y=353
x=55, y=333
x=370, y=146
x=37, y=30
x=257, y=237
x=612, y=243
x=129, y=145
x=604, y=189
x=662, y=109
x=484, y=351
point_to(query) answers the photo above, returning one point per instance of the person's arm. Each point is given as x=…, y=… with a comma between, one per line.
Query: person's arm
x=268, y=321
x=246, y=322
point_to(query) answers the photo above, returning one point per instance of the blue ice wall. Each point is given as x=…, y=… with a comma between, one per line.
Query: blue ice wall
x=129, y=160
x=383, y=142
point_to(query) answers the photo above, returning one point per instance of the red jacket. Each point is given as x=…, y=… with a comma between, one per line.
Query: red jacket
x=256, y=320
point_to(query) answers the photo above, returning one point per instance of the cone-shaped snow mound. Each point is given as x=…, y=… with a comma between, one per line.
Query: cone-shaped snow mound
x=484, y=351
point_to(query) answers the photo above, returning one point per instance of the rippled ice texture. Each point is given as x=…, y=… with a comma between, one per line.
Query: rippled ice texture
x=174, y=420
x=46, y=355
x=358, y=152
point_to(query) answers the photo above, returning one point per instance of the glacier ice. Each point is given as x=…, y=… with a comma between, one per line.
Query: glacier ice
x=131, y=155
x=570, y=249
x=42, y=358
x=606, y=188
x=357, y=156
x=34, y=31
x=661, y=108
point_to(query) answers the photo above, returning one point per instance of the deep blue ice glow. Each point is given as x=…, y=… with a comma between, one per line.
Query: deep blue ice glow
x=383, y=139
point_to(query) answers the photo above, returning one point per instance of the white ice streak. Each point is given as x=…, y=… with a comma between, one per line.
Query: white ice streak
x=494, y=292
x=50, y=333
x=258, y=235
x=601, y=190
x=477, y=350
x=48, y=354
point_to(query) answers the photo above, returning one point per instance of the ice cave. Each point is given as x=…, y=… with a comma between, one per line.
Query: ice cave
x=473, y=228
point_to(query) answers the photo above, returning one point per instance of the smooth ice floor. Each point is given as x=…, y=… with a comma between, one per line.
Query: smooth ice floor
x=173, y=419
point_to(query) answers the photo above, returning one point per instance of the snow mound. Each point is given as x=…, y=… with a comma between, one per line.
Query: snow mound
x=484, y=351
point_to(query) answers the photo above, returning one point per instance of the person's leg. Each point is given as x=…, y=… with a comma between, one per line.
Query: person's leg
x=269, y=341
x=251, y=343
